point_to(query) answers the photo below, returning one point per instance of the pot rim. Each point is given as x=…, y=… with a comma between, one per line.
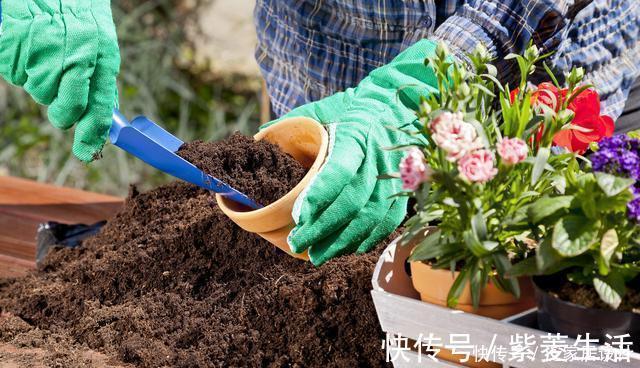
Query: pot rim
x=540, y=289
x=295, y=192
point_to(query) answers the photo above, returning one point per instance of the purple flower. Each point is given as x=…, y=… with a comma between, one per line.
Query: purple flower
x=620, y=155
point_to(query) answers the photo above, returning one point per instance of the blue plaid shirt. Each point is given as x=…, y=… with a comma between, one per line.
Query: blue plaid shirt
x=310, y=49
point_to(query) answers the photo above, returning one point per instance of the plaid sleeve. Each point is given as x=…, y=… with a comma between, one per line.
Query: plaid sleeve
x=504, y=26
x=604, y=39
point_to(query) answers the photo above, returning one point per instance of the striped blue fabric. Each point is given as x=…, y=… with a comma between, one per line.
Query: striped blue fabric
x=310, y=49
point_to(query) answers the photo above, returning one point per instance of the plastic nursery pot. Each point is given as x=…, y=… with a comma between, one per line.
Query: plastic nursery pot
x=434, y=285
x=558, y=316
x=305, y=140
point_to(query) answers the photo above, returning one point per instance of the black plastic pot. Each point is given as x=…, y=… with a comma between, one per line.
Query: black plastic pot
x=54, y=234
x=559, y=316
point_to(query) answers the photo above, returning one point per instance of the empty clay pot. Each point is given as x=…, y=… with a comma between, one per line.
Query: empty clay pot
x=305, y=140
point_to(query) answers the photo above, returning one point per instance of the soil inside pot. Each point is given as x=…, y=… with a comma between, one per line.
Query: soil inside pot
x=171, y=281
x=587, y=296
x=259, y=169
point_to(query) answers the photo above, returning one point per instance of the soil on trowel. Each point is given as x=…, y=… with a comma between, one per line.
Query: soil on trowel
x=586, y=295
x=170, y=281
x=258, y=169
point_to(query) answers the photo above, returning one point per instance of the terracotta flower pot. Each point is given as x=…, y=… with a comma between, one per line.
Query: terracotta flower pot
x=434, y=285
x=305, y=140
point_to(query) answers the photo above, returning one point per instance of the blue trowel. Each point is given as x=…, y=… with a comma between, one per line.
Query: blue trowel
x=152, y=144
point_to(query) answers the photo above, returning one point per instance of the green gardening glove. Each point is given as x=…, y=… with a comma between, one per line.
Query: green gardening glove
x=64, y=53
x=346, y=208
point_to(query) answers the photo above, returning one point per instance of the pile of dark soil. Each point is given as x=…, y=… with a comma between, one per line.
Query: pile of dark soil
x=170, y=281
x=587, y=296
x=22, y=345
x=247, y=165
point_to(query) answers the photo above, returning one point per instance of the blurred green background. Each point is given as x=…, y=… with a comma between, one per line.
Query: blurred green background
x=160, y=78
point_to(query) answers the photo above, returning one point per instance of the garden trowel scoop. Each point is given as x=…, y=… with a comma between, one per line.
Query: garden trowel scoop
x=152, y=144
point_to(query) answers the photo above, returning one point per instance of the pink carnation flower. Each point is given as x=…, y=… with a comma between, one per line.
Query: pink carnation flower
x=477, y=166
x=453, y=135
x=512, y=150
x=414, y=170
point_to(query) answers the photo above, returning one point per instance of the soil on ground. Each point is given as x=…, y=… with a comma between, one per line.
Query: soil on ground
x=23, y=345
x=258, y=169
x=171, y=281
x=587, y=296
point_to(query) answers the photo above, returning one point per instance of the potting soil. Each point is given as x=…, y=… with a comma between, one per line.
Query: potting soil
x=586, y=295
x=258, y=169
x=170, y=281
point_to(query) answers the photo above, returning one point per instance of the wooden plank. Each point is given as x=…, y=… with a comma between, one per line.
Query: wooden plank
x=22, y=191
x=18, y=236
x=14, y=267
x=24, y=204
x=30, y=200
x=411, y=359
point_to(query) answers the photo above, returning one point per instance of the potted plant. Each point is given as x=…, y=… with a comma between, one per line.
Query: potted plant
x=482, y=156
x=589, y=261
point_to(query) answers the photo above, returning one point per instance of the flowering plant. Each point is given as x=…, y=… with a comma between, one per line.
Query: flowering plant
x=483, y=155
x=591, y=227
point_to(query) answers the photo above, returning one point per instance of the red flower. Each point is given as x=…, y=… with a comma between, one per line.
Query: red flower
x=587, y=125
x=545, y=94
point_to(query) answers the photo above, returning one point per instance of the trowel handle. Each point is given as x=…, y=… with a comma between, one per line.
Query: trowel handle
x=152, y=144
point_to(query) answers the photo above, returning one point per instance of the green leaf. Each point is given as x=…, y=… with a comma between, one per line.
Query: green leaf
x=490, y=245
x=608, y=246
x=616, y=203
x=509, y=285
x=539, y=164
x=560, y=183
x=389, y=176
x=588, y=205
x=474, y=244
x=483, y=89
x=479, y=226
x=547, y=206
x=475, y=279
x=611, y=184
x=549, y=261
x=431, y=247
x=551, y=75
x=400, y=195
x=457, y=288
x=494, y=80
x=526, y=267
x=491, y=69
x=610, y=289
x=573, y=235
x=403, y=147
x=504, y=278
x=546, y=256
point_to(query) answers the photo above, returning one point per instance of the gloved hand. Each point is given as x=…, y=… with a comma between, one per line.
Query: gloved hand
x=346, y=208
x=64, y=53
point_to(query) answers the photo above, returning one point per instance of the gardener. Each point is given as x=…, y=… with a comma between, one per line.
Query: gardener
x=65, y=54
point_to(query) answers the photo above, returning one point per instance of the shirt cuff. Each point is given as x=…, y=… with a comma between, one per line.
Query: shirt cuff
x=463, y=36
